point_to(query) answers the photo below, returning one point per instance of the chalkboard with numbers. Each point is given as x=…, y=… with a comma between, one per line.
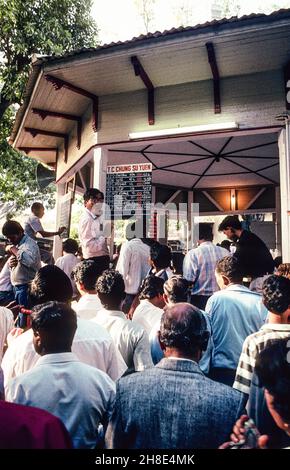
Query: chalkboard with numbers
x=128, y=189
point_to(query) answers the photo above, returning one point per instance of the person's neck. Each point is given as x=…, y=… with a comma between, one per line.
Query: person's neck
x=276, y=319
x=91, y=292
x=56, y=351
x=234, y=283
x=173, y=352
x=154, y=302
x=114, y=308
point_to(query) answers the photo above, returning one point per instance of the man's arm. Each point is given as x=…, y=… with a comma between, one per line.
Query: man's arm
x=190, y=267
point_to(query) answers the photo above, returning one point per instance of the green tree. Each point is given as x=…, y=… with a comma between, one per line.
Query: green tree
x=30, y=27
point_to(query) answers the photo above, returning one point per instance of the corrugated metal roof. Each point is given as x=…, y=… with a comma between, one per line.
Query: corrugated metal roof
x=230, y=23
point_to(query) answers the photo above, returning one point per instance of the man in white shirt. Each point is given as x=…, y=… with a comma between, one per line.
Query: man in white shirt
x=92, y=344
x=150, y=309
x=33, y=227
x=69, y=260
x=130, y=339
x=133, y=264
x=6, y=288
x=85, y=275
x=93, y=243
x=80, y=395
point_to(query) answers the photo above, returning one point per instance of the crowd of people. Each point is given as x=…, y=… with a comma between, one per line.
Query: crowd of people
x=130, y=354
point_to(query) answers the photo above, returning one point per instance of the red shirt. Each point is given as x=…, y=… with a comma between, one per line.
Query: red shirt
x=26, y=427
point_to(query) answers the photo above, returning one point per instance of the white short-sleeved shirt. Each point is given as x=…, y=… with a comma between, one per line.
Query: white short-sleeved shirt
x=147, y=315
x=129, y=338
x=92, y=345
x=66, y=263
x=88, y=306
x=32, y=226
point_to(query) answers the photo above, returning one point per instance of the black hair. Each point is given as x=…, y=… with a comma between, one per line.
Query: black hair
x=50, y=284
x=93, y=193
x=110, y=288
x=231, y=221
x=160, y=255
x=36, y=206
x=177, y=289
x=273, y=371
x=11, y=227
x=130, y=231
x=225, y=244
x=87, y=272
x=151, y=287
x=276, y=294
x=70, y=245
x=57, y=320
x=230, y=266
x=205, y=232
x=186, y=330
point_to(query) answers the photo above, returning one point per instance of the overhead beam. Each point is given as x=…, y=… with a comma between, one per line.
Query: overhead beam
x=58, y=84
x=44, y=113
x=34, y=132
x=140, y=72
x=216, y=77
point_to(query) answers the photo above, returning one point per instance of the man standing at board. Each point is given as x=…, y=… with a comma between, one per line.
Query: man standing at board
x=93, y=243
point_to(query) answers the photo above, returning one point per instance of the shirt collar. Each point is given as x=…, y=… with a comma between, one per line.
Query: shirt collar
x=276, y=326
x=23, y=240
x=57, y=358
x=113, y=313
x=90, y=213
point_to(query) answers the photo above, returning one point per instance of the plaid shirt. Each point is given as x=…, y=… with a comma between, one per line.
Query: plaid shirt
x=252, y=346
x=199, y=267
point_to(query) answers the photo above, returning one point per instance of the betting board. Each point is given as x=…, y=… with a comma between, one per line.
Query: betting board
x=128, y=189
x=64, y=213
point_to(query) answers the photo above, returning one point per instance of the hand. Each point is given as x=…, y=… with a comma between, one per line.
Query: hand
x=13, y=334
x=12, y=262
x=14, y=307
x=238, y=435
x=61, y=230
x=8, y=249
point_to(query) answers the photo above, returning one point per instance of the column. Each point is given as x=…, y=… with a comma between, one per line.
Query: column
x=284, y=158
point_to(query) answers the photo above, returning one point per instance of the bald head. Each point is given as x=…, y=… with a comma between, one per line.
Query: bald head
x=183, y=331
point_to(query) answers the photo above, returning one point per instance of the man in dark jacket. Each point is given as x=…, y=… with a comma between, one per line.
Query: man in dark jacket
x=173, y=405
x=253, y=254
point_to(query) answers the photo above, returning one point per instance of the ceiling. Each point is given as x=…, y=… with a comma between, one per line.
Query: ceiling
x=212, y=162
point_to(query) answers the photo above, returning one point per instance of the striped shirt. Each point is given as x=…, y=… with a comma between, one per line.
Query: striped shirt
x=199, y=266
x=252, y=346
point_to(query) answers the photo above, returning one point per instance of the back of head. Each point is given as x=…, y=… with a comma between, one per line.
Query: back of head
x=160, y=255
x=70, y=246
x=231, y=221
x=273, y=371
x=93, y=193
x=50, y=284
x=87, y=273
x=283, y=269
x=131, y=231
x=110, y=288
x=37, y=208
x=230, y=266
x=177, y=289
x=205, y=232
x=226, y=244
x=56, y=322
x=11, y=227
x=183, y=327
x=151, y=287
x=276, y=294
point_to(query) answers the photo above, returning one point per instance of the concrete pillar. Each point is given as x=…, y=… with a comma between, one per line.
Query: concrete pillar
x=100, y=168
x=278, y=219
x=284, y=157
x=57, y=243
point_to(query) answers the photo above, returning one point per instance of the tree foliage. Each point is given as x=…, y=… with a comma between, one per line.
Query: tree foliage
x=30, y=27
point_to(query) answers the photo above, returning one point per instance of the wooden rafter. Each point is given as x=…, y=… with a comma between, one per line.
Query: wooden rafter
x=44, y=113
x=216, y=77
x=140, y=72
x=58, y=84
x=34, y=132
